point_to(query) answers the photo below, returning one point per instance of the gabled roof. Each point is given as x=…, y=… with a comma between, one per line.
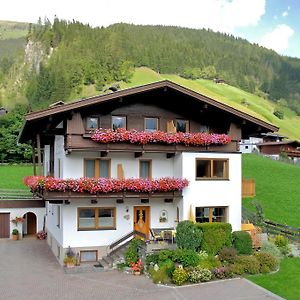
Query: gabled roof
x=77, y=105
x=288, y=142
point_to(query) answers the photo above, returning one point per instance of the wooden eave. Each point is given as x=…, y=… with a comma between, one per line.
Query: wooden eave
x=33, y=117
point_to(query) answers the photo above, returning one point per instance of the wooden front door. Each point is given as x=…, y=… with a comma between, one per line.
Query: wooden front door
x=31, y=223
x=4, y=225
x=142, y=219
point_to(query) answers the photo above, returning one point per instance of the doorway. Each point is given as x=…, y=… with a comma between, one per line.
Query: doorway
x=142, y=219
x=30, y=224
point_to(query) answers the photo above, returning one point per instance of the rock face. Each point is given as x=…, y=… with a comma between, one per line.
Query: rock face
x=34, y=54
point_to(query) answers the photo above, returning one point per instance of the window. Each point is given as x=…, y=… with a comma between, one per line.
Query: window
x=88, y=256
x=145, y=169
x=151, y=124
x=118, y=122
x=94, y=218
x=210, y=214
x=91, y=123
x=95, y=168
x=182, y=126
x=204, y=128
x=211, y=168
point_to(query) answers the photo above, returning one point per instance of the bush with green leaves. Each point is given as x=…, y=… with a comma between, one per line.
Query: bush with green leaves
x=281, y=241
x=215, y=236
x=210, y=263
x=198, y=274
x=223, y=272
x=188, y=236
x=165, y=254
x=271, y=248
x=267, y=262
x=285, y=250
x=249, y=263
x=202, y=254
x=186, y=257
x=242, y=242
x=180, y=276
x=132, y=252
x=169, y=265
x=228, y=255
x=152, y=259
x=160, y=275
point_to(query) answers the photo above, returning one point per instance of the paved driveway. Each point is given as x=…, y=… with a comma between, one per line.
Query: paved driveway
x=28, y=270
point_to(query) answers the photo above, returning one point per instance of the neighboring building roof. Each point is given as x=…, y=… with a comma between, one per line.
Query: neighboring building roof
x=165, y=84
x=292, y=143
x=273, y=134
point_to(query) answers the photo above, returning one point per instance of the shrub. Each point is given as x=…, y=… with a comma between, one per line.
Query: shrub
x=242, y=242
x=202, y=254
x=271, y=248
x=249, y=263
x=215, y=236
x=188, y=236
x=186, y=257
x=168, y=265
x=180, y=276
x=222, y=272
x=15, y=232
x=152, y=259
x=198, y=274
x=280, y=241
x=228, y=254
x=132, y=252
x=159, y=276
x=285, y=250
x=210, y=263
x=165, y=254
x=267, y=262
x=237, y=268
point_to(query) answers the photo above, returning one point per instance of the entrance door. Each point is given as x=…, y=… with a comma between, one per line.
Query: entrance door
x=142, y=219
x=4, y=225
x=31, y=223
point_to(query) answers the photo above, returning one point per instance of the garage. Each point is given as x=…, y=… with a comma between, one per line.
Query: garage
x=4, y=225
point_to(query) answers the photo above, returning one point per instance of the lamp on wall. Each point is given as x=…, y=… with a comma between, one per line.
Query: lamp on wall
x=67, y=202
x=94, y=201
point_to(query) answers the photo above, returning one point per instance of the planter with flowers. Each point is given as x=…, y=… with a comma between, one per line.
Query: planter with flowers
x=137, y=267
x=17, y=220
x=15, y=234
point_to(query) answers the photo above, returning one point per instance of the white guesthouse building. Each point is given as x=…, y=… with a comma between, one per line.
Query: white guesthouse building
x=91, y=221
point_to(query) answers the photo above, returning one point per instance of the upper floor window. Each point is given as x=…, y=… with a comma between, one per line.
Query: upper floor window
x=92, y=123
x=118, y=122
x=151, y=124
x=145, y=169
x=204, y=128
x=210, y=214
x=211, y=168
x=96, y=168
x=182, y=125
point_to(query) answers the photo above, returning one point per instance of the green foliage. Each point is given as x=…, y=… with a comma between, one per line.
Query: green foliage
x=169, y=265
x=15, y=231
x=180, y=276
x=248, y=263
x=271, y=248
x=215, y=236
x=152, y=259
x=242, y=242
x=210, y=263
x=228, y=255
x=285, y=250
x=188, y=235
x=199, y=275
x=223, y=272
x=186, y=257
x=165, y=254
x=159, y=276
x=132, y=252
x=279, y=114
x=281, y=241
x=267, y=262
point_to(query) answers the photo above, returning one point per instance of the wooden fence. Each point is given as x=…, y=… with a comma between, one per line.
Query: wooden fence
x=290, y=232
x=248, y=188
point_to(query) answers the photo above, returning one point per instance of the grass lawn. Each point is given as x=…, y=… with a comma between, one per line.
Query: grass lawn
x=12, y=176
x=277, y=188
x=284, y=283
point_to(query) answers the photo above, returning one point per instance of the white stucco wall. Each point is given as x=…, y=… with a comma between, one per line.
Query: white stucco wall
x=20, y=212
x=52, y=212
x=59, y=155
x=46, y=160
x=211, y=193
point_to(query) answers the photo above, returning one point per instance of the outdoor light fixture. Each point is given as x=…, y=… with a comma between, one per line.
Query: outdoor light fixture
x=93, y=201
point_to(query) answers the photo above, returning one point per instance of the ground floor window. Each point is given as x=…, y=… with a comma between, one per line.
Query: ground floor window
x=211, y=214
x=88, y=256
x=93, y=218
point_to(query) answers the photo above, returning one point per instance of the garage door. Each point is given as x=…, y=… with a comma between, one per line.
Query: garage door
x=4, y=225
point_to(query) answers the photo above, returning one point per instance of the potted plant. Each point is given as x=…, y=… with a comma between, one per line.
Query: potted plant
x=137, y=267
x=15, y=234
x=70, y=259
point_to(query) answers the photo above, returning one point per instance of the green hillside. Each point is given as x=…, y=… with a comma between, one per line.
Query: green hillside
x=13, y=30
x=277, y=188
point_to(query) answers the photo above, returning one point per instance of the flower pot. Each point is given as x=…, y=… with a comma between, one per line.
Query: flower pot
x=70, y=265
x=137, y=273
x=15, y=237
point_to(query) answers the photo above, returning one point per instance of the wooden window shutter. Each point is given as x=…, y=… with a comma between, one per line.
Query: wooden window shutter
x=171, y=127
x=120, y=172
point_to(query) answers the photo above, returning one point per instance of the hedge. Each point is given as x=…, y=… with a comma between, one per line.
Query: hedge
x=188, y=236
x=215, y=236
x=242, y=242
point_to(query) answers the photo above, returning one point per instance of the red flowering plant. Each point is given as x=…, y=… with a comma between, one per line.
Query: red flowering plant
x=137, y=266
x=17, y=220
x=105, y=185
x=105, y=136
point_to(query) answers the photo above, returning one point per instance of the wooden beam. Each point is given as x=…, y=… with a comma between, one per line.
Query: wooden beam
x=38, y=142
x=138, y=154
x=33, y=158
x=170, y=155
